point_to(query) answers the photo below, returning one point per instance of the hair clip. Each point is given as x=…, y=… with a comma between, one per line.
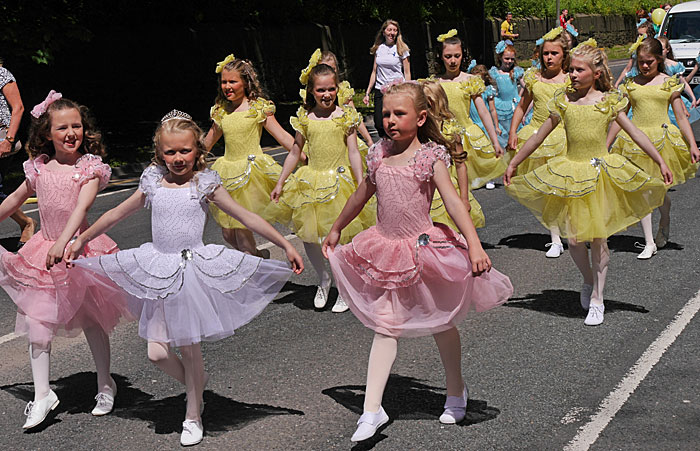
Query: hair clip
x=41, y=108
x=313, y=62
x=472, y=64
x=500, y=47
x=220, y=65
x=641, y=22
x=396, y=82
x=550, y=35
x=588, y=42
x=450, y=34
x=637, y=43
x=176, y=114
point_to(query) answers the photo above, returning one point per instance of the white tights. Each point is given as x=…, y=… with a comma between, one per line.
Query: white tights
x=665, y=220
x=595, y=269
x=313, y=251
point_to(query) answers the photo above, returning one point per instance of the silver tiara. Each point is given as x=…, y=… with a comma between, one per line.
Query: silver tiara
x=176, y=114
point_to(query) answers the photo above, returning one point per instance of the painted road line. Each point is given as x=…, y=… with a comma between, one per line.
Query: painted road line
x=99, y=195
x=9, y=337
x=269, y=244
x=589, y=433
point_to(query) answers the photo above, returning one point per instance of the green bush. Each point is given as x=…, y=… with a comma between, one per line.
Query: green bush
x=548, y=8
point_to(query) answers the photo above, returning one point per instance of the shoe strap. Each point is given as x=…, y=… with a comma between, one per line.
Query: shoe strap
x=28, y=409
x=370, y=417
x=103, y=398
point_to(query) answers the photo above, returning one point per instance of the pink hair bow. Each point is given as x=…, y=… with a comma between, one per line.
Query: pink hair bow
x=394, y=82
x=41, y=108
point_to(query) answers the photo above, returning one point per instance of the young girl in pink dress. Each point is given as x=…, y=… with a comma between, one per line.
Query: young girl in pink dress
x=408, y=277
x=184, y=291
x=66, y=172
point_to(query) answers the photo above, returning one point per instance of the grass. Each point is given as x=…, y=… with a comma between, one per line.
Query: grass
x=614, y=53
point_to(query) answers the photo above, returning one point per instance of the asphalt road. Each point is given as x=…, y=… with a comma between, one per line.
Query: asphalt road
x=294, y=378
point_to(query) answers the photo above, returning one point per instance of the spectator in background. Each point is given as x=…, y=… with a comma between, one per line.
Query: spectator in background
x=562, y=18
x=507, y=29
x=666, y=6
x=11, y=110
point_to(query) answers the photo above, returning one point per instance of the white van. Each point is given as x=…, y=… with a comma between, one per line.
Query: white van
x=682, y=28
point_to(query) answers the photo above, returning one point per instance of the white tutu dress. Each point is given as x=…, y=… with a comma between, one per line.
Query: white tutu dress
x=182, y=290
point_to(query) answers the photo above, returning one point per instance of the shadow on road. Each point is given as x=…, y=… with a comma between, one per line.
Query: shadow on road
x=302, y=296
x=625, y=243
x=534, y=241
x=11, y=244
x=406, y=398
x=566, y=303
x=165, y=415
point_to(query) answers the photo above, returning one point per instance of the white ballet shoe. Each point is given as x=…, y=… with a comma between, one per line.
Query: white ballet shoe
x=36, y=411
x=648, y=251
x=490, y=185
x=321, y=297
x=455, y=408
x=192, y=433
x=586, y=291
x=340, y=305
x=555, y=250
x=595, y=315
x=105, y=401
x=662, y=235
x=368, y=424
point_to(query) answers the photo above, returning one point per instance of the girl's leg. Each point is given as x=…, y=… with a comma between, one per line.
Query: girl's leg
x=99, y=346
x=378, y=119
x=27, y=224
x=242, y=240
x=161, y=355
x=579, y=254
x=556, y=247
x=664, y=223
x=40, y=357
x=381, y=359
x=450, y=347
x=193, y=364
x=313, y=251
x=649, y=247
x=600, y=256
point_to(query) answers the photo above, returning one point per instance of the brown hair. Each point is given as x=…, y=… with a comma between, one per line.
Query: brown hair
x=327, y=55
x=180, y=125
x=245, y=69
x=483, y=72
x=431, y=129
x=597, y=60
x=509, y=48
x=653, y=47
x=317, y=71
x=401, y=46
x=647, y=28
x=441, y=46
x=564, y=44
x=439, y=109
x=665, y=42
x=40, y=130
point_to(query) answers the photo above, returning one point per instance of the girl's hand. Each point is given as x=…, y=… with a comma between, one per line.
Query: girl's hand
x=510, y=171
x=276, y=193
x=466, y=203
x=499, y=150
x=55, y=254
x=498, y=130
x=513, y=141
x=365, y=99
x=666, y=173
x=330, y=242
x=694, y=153
x=295, y=259
x=480, y=261
x=303, y=157
x=75, y=250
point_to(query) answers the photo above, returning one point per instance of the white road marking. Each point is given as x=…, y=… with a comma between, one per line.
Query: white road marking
x=269, y=244
x=589, y=433
x=9, y=337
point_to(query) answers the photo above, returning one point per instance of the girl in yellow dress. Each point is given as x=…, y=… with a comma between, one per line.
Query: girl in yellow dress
x=313, y=197
x=540, y=85
x=239, y=114
x=452, y=131
x=484, y=162
x=650, y=94
x=588, y=193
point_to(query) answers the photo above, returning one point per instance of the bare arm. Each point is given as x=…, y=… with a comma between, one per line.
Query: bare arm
x=518, y=116
x=441, y=176
x=289, y=164
x=406, y=69
x=280, y=134
x=530, y=146
x=353, y=207
x=215, y=133
x=363, y=129
x=627, y=68
x=645, y=144
x=692, y=72
x=108, y=220
x=494, y=115
x=372, y=80
x=15, y=200
x=463, y=184
x=222, y=199
x=613, y=131
x=684, y=126
x=354, y=156
x=11, y=93
x=488, y=125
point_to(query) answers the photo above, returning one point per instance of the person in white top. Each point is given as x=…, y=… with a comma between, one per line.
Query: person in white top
x=390, y=63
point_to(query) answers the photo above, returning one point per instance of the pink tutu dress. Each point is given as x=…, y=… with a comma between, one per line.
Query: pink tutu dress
x=50, y=302
x=182, y=290
x=407, y=276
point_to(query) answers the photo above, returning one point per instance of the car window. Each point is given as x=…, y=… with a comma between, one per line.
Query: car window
x=683, y=27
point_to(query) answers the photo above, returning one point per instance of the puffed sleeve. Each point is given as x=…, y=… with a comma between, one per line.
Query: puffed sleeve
x=90, y=166
x=518, y=72
x=490, y=92
x=32, y=169
x=558, y=103
x=217, y=113
x=473, y=86
x=530, y=78
x=345, y=93
x=150, y=179
x=300, y=122
x=673, y=84
x=349, y=120
x=261, y=109
x=424, y=161
x=207, y=181
x=613, y=102
x=374, y=158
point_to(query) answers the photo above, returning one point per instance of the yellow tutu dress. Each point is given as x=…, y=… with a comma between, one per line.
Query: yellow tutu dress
x=345, y=95
x=438, y=212
x=247, y=173
x=588, y=193
x=482, y=164
x=555, y=144
x=650, y=114
x=315, y=194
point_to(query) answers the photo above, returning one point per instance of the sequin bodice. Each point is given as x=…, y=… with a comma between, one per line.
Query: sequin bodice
x=326, y=145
